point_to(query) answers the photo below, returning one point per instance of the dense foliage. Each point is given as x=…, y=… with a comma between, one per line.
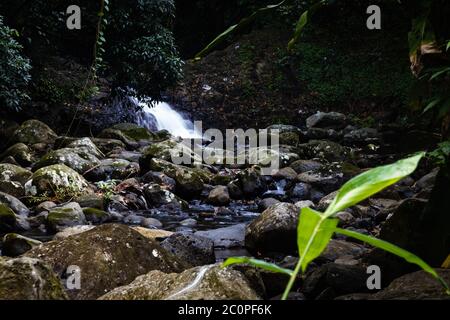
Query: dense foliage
x=14, y=70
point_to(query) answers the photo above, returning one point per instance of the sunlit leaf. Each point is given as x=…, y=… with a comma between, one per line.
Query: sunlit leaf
x=257, y=263
x=371, y=182
x=313, y=235
x=391, y=248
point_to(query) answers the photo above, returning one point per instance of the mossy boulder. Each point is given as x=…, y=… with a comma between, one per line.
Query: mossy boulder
x=251, y=181
x=58, y=178
x=28, y=279
x=15, y=244
x=169, y=150
x=113, y=169
x=189, y=181
x=20, y=153
x=7, y=218
x=95, y=215
x=108, y=256
x=64, y=216
x=130, y=134
x=34, y=131
x=219, y=196
x=78, y=159
x=323, y=149
x=201, y=283
x=157, y=196
x=87, y=146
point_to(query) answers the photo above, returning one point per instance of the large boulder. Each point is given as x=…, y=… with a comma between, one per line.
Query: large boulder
x=108, y=256
x=14, y=244
x=34, y=131
x=57, y=178
x=275, y=230
x=219, y=196
x=192, y=249
x=201, y=283
x=78, y=159
x=15, y=204
x=415, y=286
x=67, y=215
x=130, y=134
x=327, y=120
x=227, y=237
x=156, y=196
x=168, y=150
x=28, y=279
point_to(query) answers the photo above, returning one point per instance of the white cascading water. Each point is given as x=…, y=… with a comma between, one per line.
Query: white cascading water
x=166, y=119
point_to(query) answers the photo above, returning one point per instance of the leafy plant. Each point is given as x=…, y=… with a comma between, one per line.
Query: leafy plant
x=14, y=70
x=107, y=188
x=315, y=229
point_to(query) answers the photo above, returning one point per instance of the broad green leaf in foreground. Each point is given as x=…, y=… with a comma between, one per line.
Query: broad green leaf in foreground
x=389, y=247
x=313, y=235
x=371, y=182
x=257, y=263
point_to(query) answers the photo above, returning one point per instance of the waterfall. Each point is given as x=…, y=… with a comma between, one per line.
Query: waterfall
x=161, y=116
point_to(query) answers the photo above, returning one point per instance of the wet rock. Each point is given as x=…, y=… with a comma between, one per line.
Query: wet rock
x=219, y=196
x=362, y=136
x=70, y=231
x=285, y=173
x=337, y=249
x=34, y=131
x=57, y=177
x=188, y=222
x=156, y=196
x=327, y=120
x=118, y=169
x=76, y=159
x=20, y=153
x=235, y=190
x=301, y=166
x=427, y=181
x=415, y=286
x=44, y=206
x=266, y=203
x=208, y=283
x=11, y=172
x=117, y=248
x=131, y=156
x=251, y=181
x=336, y=279
x=345, y=218
x=159, y=178
x=300, y=191
x=151, y=223
x=64, y=216
x=324, y=181
x=274, y=230
x=228, y=237
x=28, y=279
x=169, y=150
x=15, y=245
x=323, y=149
x=323, y=134
x=7, y=219
x=192, y=249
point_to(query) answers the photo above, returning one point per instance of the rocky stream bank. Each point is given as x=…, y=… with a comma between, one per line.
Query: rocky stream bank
x=141, y=227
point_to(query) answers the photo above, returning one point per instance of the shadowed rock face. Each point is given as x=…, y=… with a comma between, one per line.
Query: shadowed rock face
x=108, y=256
x=28, y=279
x=202, y=283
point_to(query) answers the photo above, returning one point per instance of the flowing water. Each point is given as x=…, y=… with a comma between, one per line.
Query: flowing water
x=162, y=116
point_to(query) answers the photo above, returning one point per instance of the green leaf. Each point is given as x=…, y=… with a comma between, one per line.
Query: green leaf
x=431, y=105
x=391, y=248
x=302, y=21
x=439, y=73
x=257, y=263
x=313, y=234
x=244, y=22
x=371, y=182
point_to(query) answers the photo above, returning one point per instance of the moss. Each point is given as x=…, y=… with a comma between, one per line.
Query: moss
x=94, y=212
x=133, y=131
